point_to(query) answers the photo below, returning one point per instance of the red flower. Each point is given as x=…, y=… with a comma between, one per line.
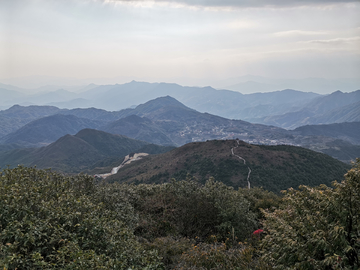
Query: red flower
x=257, y=232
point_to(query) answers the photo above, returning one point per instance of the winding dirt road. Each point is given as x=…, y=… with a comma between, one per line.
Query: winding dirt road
x=128, y=159
x=232, y=152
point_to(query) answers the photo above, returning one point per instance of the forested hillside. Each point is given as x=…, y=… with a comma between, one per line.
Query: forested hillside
x=273, y=167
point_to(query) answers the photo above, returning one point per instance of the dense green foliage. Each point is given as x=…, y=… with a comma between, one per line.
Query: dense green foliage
x=188, y=209
x=48, y=221
x=316, y=228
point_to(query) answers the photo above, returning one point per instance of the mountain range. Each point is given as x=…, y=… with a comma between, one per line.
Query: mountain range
x=285, y=108
x=250, y=84
x=334, y=108
x=166, y=116
x=166, y=121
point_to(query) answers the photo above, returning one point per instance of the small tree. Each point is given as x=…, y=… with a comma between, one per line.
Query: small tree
x=316, y=228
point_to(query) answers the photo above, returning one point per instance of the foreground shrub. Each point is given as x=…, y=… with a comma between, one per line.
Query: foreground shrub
x=260, y=199
x=316, y=228
x=48, y=221
x=171, y=249
x=219, y=256
x=189, y=209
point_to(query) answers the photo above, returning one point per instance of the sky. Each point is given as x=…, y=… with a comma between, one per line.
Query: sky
x=183, y=41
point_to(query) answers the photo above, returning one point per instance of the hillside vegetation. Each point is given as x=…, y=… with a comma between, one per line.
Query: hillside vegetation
x=50, y=221
x=273, y=167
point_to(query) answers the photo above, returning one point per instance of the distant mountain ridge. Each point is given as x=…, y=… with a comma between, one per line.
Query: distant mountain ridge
x=349, y=132
x=286, y=108
x=48, y=129
x=224, y=103
x=334, y=108
x=249, y=83
x=18, y=116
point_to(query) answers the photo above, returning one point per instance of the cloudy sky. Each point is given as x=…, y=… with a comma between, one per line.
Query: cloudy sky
x=179, y=40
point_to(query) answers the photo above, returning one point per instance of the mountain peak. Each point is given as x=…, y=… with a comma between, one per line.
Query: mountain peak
x=158, y=103
x=338, y=92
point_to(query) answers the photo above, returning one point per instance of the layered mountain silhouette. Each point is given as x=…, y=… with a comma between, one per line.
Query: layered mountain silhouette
x=176, y=123
x=48, y=129
x=17, y=116
x=225, y=103
x=349, y=132
x=166, y=121
x=334, y=108
x=286, y=108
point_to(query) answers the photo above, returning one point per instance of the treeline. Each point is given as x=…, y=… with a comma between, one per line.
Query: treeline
x=52, y=221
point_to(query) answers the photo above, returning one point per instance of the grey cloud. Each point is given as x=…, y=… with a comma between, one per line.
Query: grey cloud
x=244, y=3
x=336, y=40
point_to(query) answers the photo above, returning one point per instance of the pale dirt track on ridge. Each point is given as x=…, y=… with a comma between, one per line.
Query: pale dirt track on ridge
x=232, y=152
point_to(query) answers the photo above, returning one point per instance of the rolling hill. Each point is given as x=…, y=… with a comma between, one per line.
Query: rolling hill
x=171, y=119
x=76, y=153
x=272, y=167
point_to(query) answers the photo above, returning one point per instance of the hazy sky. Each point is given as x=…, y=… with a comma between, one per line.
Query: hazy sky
x=165, y=40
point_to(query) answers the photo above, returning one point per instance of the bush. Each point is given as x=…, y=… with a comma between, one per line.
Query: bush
x=171, y=249
x=49, y=221
x=189, y=209
x=316, y=228
x=218, y=256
